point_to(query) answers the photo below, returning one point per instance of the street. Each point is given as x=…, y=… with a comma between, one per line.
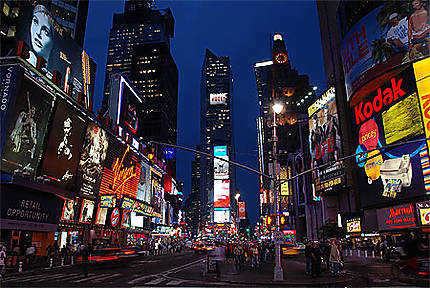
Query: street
x=187, y=269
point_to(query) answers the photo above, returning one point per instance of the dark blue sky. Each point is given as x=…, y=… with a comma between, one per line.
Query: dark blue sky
x=239, y=29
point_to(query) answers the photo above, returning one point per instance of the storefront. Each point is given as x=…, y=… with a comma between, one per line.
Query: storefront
x=29, y=217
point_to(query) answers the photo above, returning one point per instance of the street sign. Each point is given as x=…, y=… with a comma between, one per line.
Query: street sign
x=278, y=237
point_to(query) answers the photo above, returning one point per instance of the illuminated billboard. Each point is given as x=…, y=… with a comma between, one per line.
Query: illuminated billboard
x=144, y=188
x=92, y=158
x=221, y=193
x=390, y=35
x=101, y=215
x=397, y=217
x=124, y=103
x=63, y=148
x=69, y=210
x=325, y=143
x=87, y=210
x=390, y=114
x=242, y=210
x=157, y=193
x=47, y=39
x=25, y=136
x=121, y=171
x=222, y=216
x=353, y=225
x=107, y=201
x=217, y=98
x=127, y=203
x=423, y=209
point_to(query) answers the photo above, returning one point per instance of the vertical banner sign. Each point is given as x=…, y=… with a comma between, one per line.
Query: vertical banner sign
x=242, y=210
x=422, y=73
x=10, y=77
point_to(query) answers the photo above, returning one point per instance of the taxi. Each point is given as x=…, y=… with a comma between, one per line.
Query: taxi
x=289, y=250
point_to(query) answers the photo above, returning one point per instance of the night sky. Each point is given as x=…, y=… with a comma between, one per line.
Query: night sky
x=239, y=29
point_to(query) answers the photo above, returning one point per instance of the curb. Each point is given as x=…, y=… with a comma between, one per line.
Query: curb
x=288, y=283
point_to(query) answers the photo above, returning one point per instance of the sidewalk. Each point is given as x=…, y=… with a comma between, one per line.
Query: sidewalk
x=294, y=275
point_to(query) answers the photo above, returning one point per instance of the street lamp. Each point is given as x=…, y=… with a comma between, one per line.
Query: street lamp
x=278, y=272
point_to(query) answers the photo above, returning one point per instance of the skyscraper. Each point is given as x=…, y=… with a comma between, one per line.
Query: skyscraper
x=216, y=127
x=139, y=47
x=193, y=202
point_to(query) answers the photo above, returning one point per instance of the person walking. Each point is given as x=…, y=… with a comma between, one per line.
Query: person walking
x=308, y=257
x=219, y=258
x=2, y=262
x=316, y=260
x=84, y=253
x=335, y=257
x=255, y=262
x=237, y=251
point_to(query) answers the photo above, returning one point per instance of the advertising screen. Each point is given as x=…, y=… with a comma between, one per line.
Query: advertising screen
x=130, y=107
x=325, y=143
x=101, y=215
x=46, y=38
x=127, y=203
x=217, y=98
x=10, y=79
x=107, y=201
x=222, y=216
x=26, y=133
x=390, y=35
x=157, y=194
x=63, y=149
x=126, y=221
x=87, y=210
x=353, y=225
x=144, y=187
x=92, y=158
x=69, y=210
x=242, y=210
x=221, y=193
x=121, y=171
x=221, y=168
x=423, y=209
x=397, y=217
x=390, y=113
x=136, y=220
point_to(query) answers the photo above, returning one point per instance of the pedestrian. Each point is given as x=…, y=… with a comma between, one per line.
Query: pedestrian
x=2, y=262
x=255, y=256
x=29, y=253
x=219, y=258
x=335, y=257
x=250, y=255
x=84, y=254
x=237, y=251
x=316, y=260
x=308, y=256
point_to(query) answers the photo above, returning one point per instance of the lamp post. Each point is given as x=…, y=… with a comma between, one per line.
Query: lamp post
x=278, y=272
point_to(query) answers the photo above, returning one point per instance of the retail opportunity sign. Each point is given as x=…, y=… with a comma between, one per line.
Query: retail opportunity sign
x=423, y=210
x=397, y=217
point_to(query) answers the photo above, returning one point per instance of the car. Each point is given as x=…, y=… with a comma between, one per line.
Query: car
x=210, y=247
x=301, y=246
x=109, y=255
x=289, y=250
x=199, y=248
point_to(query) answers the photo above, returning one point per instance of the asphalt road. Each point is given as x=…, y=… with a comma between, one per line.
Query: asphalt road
x=148, y=271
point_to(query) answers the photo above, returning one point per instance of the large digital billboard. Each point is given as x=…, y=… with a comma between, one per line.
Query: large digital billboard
x=47, y=39
x=121, y=171
x=221, y=215
x=64, y=146
x=390, y=114
x=69, y=210
x=25, y=135
x=217, y=98
x=396, y=32
x=87, y=210
x=157, y=193
x=221, y=193
x=325, y=143
x=144, y=188
x=221, y=168
x=92, y=158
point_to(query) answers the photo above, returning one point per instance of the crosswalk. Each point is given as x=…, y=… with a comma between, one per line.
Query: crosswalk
x=77, y=279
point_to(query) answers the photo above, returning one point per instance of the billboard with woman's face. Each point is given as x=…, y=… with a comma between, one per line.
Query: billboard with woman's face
x=27, y=129
x=47, y=39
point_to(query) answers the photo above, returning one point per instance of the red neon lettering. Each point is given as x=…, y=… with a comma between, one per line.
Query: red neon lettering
x=366, y=110
x=121, y=173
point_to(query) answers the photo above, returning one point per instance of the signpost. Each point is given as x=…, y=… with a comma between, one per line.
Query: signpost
x=278, y=237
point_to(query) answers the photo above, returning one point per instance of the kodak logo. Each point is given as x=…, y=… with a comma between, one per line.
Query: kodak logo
x=364, y=111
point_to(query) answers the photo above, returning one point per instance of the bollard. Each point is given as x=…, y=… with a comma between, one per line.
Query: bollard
x=365, y=253
x=358, y=252
x=50, y=262
x=62, y=261
x=350, y=252
x=373, y=254
x=20, y=267
x=71, y=260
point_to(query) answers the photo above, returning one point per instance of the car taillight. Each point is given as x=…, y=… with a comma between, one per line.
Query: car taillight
x=423, y=273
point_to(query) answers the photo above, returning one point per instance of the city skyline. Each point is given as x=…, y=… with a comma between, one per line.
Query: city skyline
x=196, y=24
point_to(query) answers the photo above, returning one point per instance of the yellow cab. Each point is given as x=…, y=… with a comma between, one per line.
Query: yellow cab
x=289, y=250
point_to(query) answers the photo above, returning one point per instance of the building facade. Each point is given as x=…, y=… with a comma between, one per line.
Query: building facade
x=359, y=74
x=216, y=130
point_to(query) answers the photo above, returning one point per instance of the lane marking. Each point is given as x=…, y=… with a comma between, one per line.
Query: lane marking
x=52, y=278
x=175, y=282
x=89, y=278
x=108, y=277
x=155, y=281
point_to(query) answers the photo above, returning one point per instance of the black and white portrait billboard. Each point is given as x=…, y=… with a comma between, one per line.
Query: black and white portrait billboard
x=64, y=146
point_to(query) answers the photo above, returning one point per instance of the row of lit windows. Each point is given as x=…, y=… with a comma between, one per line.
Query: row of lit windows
x=146, y=71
